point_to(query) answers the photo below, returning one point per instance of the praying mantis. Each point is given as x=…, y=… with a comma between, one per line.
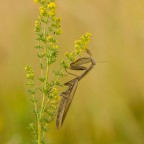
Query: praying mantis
x=67, y=96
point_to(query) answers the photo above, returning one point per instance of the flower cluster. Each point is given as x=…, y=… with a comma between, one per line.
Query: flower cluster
x=30, y=76
x=47, y=27
x=30, y=73
x=52, y=9
x=81, y=45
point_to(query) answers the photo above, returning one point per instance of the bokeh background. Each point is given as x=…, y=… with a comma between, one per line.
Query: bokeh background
x=108, y=107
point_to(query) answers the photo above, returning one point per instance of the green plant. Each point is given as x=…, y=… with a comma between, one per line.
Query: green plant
x=47, y=28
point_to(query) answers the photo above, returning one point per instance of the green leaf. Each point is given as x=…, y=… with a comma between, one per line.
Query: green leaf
x=30, y=91
x=42, y=79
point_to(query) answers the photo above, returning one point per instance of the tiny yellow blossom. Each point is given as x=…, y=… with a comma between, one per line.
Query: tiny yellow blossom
x=36, y=23
x=58, y=31
x=42, y=10
x=88, y=34
x=55, y=90
x=30, y=76
x=28, y=68
x=52, y=12
x=51, y=39
x=56, y=47
x=57, y=21
x=51, y=5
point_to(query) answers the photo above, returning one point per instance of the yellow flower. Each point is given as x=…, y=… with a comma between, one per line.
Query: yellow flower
x=36, y=23
x=88, y=34
x=51, y=39
x=56, y=46
x=53, y=107
x=58, y=31
x=30, y=76
x=54, y=102
x=51, y=5
x=52, y=12
x=42, y=10
x=57, y=97
x=55, y=91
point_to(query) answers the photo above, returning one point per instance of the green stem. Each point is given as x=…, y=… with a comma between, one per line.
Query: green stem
x=47, y=73
x=44, y=84
x=43, y=100
x=39, y=132
x=39, y=114
x=35, y=107
x=43, y=135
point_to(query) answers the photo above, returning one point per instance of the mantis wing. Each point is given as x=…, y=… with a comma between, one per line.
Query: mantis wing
x=65, y=103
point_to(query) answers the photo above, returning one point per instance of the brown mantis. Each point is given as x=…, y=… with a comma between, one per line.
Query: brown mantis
x=67, y=96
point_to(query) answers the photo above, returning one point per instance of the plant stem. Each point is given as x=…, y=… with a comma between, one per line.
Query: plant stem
x=44, y=85
x=39, y=132
x=35, y=107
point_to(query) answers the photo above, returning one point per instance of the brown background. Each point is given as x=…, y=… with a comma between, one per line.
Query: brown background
x=109, y=104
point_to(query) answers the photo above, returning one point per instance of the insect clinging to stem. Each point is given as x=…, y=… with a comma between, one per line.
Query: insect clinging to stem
x=67, y=96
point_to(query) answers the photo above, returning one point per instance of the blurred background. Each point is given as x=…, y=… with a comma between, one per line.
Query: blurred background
x=108, y=107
